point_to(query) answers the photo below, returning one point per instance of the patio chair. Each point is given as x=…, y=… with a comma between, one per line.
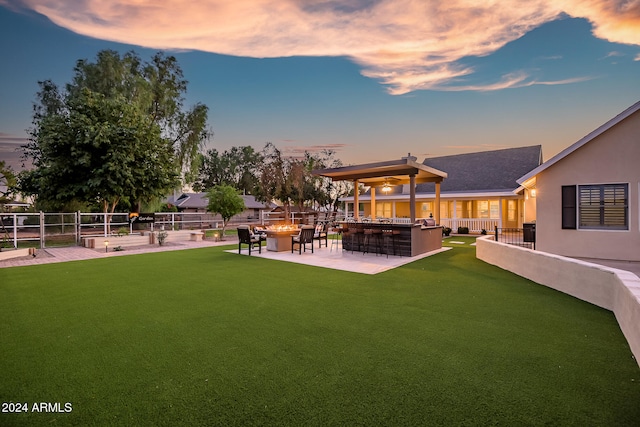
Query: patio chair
x=322, y=233
x=260, y=232
x=247, y=238
x=301, y=239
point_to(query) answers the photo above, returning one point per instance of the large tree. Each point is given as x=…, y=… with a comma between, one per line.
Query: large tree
x=276, y=179
x=118, y=133
x=101, y=150
x=291, y=179
x=7, y=182
x=238, y=167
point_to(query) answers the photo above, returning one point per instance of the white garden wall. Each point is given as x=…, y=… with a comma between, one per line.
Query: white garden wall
x=610, y=288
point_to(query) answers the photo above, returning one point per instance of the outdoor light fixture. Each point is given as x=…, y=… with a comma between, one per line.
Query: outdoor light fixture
x=533, y=193
x=106, y=246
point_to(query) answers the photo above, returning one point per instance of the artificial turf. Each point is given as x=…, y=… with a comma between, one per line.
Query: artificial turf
x=205, y=337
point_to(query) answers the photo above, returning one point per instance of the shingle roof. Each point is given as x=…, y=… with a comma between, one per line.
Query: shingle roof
x=200, y=201
x=495, y=170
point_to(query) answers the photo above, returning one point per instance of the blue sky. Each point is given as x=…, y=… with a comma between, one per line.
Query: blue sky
x=356, y=76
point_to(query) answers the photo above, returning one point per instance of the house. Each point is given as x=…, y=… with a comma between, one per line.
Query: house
x=197, y=202
x=480, y=192
x=586, y=198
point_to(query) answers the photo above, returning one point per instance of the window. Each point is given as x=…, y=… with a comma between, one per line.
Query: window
x=383, y=210
x=427, y=209
x=489, y=209
x=603, y=206
x=511, y=210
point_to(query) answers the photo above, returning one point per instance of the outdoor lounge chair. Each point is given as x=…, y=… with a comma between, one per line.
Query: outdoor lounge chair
x=301, y=239
x=246, y=237
x=322, y=233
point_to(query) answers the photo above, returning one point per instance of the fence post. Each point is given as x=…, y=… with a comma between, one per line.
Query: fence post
x=496, y=231
x=42, y=242
x=15, y=231
x=78, y=228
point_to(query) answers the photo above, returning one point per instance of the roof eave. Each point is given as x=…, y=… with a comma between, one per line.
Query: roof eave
x=581, y=142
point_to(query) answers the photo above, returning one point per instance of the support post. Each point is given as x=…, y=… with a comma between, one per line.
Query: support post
x=373, y=203
x=356, y=201
x=437, y=207
x=42, y=230
x=412, y=198
x=15, y=231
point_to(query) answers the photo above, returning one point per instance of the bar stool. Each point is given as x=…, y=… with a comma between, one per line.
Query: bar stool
x=337, y=238
x=359, y=235
x=389, y=235
x=369, y=234
x=348, y=234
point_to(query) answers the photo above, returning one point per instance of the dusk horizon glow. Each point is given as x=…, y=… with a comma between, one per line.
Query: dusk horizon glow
x=371, y=79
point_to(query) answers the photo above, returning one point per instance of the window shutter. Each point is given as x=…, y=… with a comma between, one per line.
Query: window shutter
x=569, y=208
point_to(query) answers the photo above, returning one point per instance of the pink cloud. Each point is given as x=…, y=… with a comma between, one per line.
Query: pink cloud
x=407, y=45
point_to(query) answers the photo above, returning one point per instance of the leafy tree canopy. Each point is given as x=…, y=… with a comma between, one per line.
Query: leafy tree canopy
x=118, y=133
x=290, y=179
x=238, y=167
x=225, y=200
x=7, y=182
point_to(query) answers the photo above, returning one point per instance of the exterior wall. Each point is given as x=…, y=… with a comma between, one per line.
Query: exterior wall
x=610, y=158
x=464, y=209
x=609, y=288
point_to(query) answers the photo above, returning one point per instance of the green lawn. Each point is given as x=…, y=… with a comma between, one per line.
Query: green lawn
x=204, y=337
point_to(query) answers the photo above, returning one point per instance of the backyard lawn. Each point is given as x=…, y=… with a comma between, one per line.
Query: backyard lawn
x=206, y=337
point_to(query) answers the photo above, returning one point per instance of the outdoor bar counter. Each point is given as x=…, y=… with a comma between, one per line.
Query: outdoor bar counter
x=410, y=240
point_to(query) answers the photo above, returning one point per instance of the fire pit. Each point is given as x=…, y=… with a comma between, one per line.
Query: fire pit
x=279, y=237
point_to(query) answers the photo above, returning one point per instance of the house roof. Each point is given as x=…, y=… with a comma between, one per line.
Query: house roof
x=200, y=201
x=584, y=140
x=485, y=171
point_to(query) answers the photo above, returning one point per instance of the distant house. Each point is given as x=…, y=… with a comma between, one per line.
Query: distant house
x=197, y=202
x=480, y=192
x=586, y=198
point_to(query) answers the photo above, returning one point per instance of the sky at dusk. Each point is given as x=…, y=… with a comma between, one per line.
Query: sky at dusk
x=371, y=79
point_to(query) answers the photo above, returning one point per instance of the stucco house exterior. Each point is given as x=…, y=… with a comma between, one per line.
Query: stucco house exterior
x=480, y=192
x=586, y=198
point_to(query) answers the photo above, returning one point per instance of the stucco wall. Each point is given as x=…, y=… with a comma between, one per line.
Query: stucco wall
x=615, y=290
x=610, y=158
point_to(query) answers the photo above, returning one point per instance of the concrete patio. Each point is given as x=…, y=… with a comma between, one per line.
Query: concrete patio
x=338, y=259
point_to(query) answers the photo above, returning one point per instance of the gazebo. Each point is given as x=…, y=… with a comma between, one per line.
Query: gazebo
x=386, y=174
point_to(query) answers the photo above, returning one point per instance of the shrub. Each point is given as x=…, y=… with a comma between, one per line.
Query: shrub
x=162, y=236
x=463, y=230
x=446, y=231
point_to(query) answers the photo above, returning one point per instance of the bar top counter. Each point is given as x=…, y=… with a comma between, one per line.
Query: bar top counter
x=409, y=239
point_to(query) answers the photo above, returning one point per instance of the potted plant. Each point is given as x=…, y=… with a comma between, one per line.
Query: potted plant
x=446, y=231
